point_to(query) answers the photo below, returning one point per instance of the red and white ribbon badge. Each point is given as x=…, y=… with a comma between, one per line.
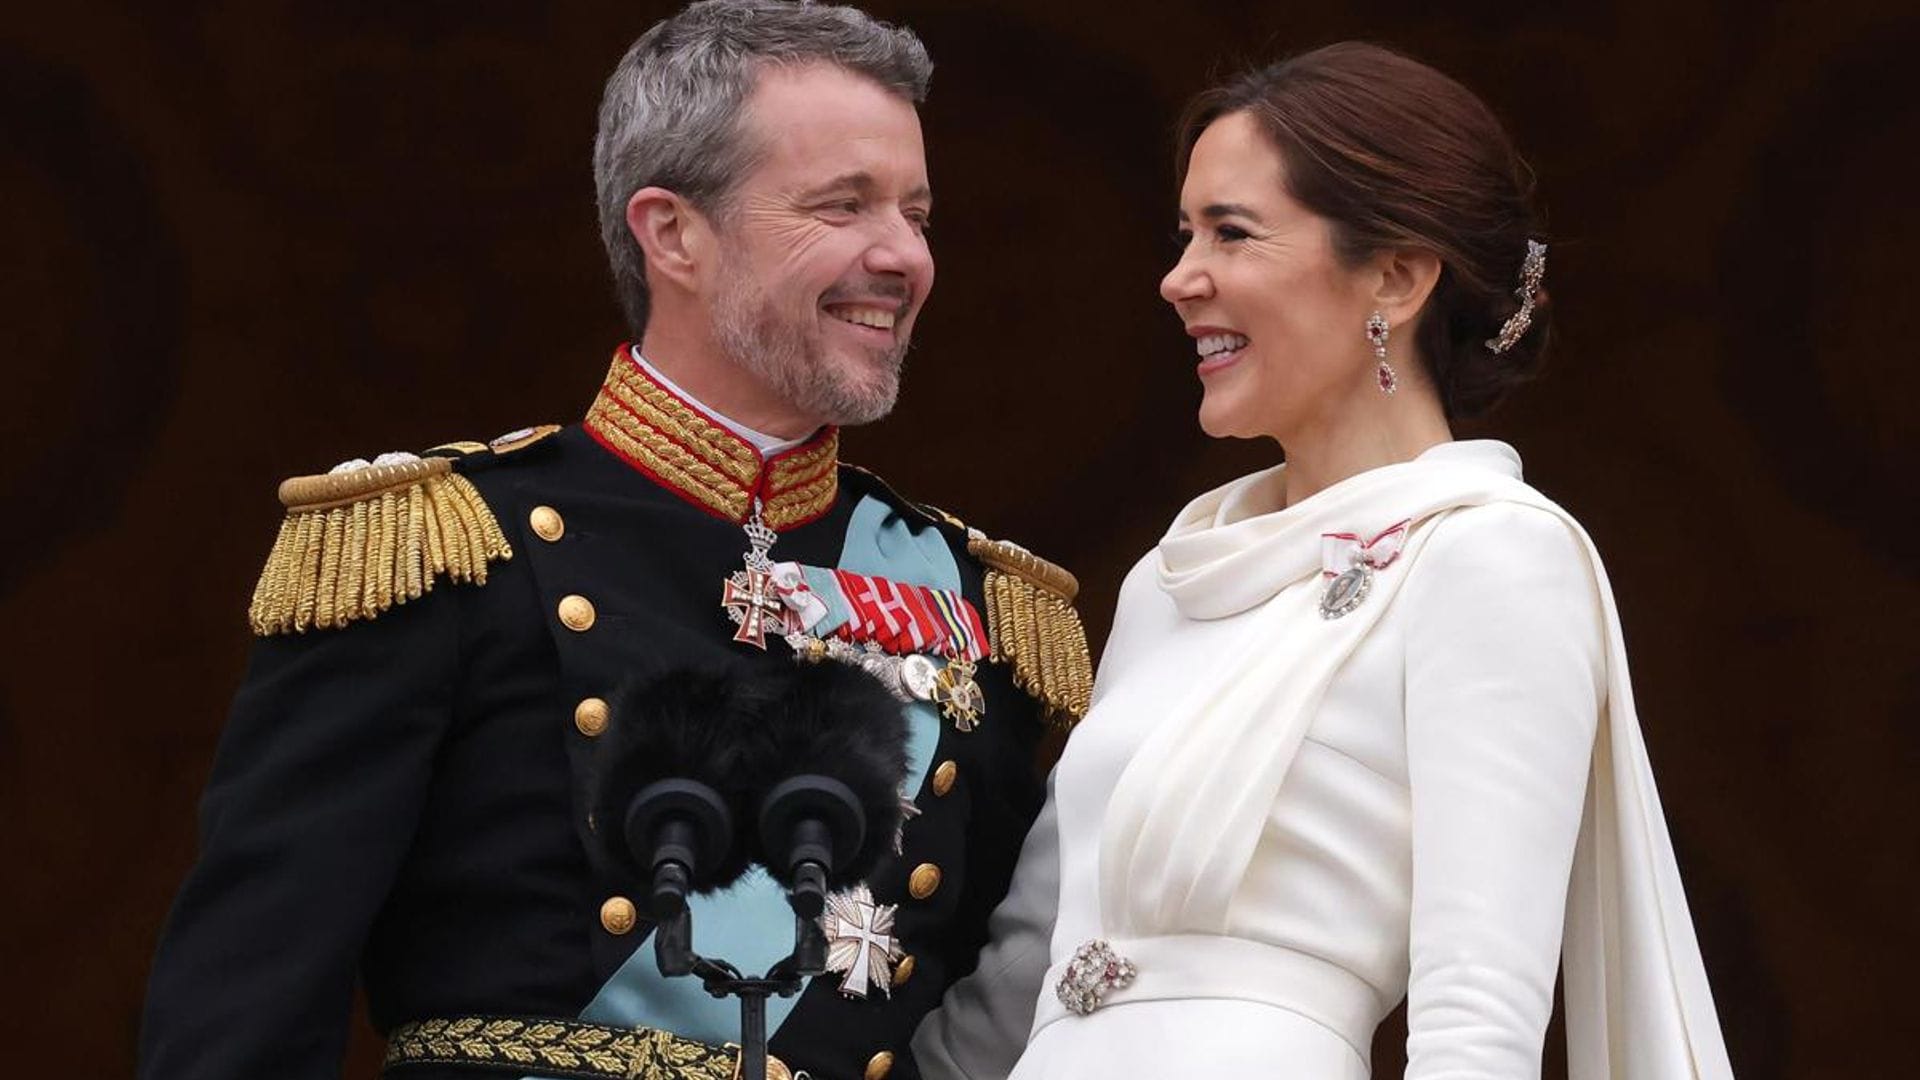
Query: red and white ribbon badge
x=790, y=584
x=1341, y=552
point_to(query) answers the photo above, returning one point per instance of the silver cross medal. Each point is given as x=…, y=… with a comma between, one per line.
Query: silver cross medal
x=860, y=941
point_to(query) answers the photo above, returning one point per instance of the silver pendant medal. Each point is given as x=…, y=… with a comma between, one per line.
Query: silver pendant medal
x=1349, y=563
x=1346, y=591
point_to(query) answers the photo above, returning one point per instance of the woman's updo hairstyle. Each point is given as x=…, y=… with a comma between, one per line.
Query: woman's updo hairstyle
x=1397, y=155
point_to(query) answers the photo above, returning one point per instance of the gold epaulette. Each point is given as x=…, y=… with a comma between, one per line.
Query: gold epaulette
x=356, y=543
x=1034, y=628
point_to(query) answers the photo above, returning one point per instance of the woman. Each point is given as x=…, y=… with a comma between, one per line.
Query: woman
x=1363, y=726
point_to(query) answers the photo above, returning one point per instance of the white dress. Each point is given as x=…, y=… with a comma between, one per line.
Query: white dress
x=1288, y=823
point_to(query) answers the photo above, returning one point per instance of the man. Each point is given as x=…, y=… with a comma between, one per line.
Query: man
x=415, y=781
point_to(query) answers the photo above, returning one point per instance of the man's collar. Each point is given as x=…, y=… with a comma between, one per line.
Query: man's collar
x=696, y=456
x=768, y=445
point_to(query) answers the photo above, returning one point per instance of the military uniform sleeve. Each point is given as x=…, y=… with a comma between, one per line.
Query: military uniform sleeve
x=318, y=782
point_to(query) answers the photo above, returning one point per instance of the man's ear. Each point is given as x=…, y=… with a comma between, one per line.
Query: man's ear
x=675, y=238
x=1407, y=278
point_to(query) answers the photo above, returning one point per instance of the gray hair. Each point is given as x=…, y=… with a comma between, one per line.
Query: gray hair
x=670, y=116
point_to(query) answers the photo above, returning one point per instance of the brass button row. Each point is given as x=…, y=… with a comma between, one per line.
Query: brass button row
x=879, y=1065
x=925, y=879
x=618, y=916
x=576, y=611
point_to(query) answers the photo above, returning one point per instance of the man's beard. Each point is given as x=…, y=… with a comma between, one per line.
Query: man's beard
x=786, y=354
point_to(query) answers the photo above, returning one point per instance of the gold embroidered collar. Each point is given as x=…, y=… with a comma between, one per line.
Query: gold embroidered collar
x=704, y=462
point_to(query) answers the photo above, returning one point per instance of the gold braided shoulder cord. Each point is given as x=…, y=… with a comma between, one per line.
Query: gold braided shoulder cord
x=354, y=544
x=1034, y=628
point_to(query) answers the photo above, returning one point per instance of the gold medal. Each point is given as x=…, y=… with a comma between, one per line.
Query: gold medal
x=958, y=695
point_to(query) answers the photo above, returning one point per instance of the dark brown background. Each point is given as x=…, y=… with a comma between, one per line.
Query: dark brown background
x=244, y=240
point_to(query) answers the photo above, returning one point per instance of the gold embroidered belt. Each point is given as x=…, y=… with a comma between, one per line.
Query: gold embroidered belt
x=565, y=1048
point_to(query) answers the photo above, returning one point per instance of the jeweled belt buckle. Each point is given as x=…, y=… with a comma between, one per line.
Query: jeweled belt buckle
x=1094, y=972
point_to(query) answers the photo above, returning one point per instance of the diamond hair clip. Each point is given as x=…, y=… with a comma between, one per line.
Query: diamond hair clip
x=1533, y=271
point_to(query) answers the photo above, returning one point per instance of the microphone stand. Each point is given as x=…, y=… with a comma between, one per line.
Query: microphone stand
x=673, y=952
x=682, y=824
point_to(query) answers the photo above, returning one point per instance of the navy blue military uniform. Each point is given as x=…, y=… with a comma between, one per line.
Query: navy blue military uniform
x=404, y=792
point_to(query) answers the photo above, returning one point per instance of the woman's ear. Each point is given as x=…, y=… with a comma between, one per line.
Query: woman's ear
x=674, y=237
x=1407, y=278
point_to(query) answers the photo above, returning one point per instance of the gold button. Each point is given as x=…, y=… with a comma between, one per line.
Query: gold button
x=617, y=915
x=576, y=611
x=776, y=1069
x=879, y=1065
x=903, y=971
x=925, y=879
x=943, y=777
x=546, y=523
x=590, y=716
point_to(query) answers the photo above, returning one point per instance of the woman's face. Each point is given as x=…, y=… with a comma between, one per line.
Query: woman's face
x=1278, y=321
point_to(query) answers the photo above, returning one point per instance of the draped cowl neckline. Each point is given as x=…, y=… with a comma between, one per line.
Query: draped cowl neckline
x=1237, y=546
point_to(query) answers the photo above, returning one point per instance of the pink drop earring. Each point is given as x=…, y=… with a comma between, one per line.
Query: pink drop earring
x=1377, y=330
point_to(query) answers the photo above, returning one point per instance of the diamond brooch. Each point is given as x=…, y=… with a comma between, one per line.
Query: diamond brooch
x=1094, y=972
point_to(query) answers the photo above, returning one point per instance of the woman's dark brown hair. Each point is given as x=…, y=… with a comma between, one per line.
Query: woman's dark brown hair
x=1397, y=155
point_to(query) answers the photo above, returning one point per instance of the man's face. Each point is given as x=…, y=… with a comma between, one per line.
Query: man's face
x=824, y=251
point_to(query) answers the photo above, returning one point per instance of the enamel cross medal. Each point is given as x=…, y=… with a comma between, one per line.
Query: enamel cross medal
x=748, y=596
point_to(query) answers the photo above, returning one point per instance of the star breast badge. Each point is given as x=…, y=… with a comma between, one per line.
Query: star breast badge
x=860, y=941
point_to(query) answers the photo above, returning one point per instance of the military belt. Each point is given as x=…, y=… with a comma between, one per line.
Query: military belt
x=562, y=1048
